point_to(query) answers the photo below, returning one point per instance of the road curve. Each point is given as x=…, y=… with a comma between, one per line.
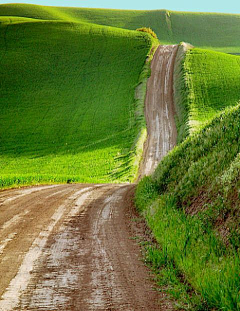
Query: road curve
x=159, y=110
x=72, y=247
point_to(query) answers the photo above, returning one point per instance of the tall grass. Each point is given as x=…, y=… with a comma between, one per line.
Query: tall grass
x=196, y=251
x=192, y=205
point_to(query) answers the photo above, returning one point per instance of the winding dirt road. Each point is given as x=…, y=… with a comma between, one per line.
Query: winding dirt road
x=73, y=247
x=159, y=109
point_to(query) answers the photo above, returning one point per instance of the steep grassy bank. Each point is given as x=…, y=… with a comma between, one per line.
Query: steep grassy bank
x=206, y=83
x=210, y=30
x=192, y=200
x=192, y=205
x=68, y=106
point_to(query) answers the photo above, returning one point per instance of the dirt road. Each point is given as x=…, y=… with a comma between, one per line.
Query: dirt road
x=72, y=247
x=159, y=109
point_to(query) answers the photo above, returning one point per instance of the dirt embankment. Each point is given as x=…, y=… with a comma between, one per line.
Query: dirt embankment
x=159, y=110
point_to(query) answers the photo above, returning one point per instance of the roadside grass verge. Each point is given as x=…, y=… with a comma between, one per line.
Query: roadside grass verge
x=207, y=30
x=206, y=83
x=68, y=104
x=191, y=204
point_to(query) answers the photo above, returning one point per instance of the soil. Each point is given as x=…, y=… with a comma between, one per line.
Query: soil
x=73, y=247
x=159, y=109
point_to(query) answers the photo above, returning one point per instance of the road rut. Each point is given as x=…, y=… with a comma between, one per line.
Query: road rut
x=159, y=109
x=70, y=247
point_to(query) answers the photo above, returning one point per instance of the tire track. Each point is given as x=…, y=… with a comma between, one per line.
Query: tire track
x=80, y=257
x=159, y=110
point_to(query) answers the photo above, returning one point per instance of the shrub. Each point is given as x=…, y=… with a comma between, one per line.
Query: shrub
x=148, y=30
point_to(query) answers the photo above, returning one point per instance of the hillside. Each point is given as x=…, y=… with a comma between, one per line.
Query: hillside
x=207, y=30
x=68, y=101
x=191, y=202
x=206, y=83
x=192, y=205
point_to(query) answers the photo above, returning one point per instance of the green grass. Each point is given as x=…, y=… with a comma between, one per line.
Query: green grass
x=207, y=83
x=209, y=30
x=68, y=106
x=192, y=205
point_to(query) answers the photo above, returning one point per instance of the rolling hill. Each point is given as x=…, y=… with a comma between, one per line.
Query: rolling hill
x=192, y=205
x=68, y=101
x=207, y=82
x=206, y=30
x=55, y=64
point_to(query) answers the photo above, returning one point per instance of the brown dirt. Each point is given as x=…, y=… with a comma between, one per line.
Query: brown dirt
x=72, y=247
x=159, y=110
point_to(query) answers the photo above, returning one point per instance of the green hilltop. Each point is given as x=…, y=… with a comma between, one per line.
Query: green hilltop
x=207, y=30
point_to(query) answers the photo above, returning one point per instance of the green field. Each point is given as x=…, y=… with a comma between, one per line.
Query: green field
x=207, y=83
x=209, y=30
x=68, y=106
x=69, y=110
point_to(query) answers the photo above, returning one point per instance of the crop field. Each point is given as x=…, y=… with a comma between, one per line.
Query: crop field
x=209, y=82
x=207, y=30
x=192, y=205
x=68, y=101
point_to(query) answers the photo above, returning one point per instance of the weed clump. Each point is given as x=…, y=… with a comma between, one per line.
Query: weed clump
x=148, y=30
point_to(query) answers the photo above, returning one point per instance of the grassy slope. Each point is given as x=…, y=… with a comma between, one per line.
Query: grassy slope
x=215, y=83
x=207, y=83
x=68, y=101
x=192, y=200
x=192, y=205
x=213, y=31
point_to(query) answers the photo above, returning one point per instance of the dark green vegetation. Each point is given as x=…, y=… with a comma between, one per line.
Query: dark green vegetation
x=68, y=107
x=209, y=30
x=207, y=83
x=192, y=200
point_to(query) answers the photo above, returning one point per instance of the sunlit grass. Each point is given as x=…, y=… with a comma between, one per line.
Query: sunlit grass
x=208, y=30
x=207, y=83
x=68, y=106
